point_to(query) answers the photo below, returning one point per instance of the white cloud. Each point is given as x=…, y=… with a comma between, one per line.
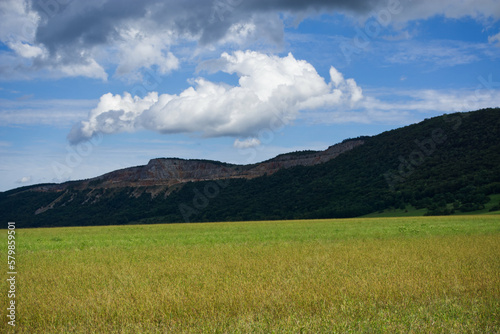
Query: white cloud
x=239, y=32
x=247, y=143
x=271, y=89
x=138, y=50
x=24, y=179
x=88, y=68
x=265, y=29
x=26, y=50
x=495, y=39
x=18, y=23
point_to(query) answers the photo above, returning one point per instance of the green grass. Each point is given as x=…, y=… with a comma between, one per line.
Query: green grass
x=403, y=275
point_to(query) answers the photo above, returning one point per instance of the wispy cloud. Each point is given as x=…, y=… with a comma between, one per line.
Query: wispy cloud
x=495, y=39
x=62, y=112
x=440, y=53
x=394, y=106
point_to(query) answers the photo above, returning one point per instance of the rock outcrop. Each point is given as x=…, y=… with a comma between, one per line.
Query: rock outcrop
x=166, y=172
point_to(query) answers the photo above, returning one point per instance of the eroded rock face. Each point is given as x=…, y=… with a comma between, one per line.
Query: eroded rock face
x=166, y=172
x=172, y=171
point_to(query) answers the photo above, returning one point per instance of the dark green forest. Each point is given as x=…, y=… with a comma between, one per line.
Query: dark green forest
x=446, y=164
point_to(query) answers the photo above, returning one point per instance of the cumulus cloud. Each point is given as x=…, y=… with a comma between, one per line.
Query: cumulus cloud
x=271, y=89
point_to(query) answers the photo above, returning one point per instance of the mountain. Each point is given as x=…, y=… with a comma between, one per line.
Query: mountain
x=444, y=164
x=168, y=172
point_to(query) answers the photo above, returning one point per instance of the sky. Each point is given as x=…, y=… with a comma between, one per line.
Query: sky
x=87, y=87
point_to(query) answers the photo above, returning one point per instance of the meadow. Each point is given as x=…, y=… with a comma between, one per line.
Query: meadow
x=373, y=275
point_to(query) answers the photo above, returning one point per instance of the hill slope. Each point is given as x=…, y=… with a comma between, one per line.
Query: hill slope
x=444, y=164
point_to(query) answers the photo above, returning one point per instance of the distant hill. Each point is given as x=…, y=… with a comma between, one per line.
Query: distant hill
x=445, y=165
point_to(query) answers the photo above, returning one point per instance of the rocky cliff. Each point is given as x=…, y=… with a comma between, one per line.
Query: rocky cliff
x=166, y=172
x=171, y=171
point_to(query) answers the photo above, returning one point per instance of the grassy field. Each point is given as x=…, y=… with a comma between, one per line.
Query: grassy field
x=402, y=275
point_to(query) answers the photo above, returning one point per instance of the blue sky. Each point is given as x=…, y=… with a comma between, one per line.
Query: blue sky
x=87, y=87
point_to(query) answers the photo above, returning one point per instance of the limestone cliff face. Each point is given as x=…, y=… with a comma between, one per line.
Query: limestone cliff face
x=166, y=172
x=170, y=171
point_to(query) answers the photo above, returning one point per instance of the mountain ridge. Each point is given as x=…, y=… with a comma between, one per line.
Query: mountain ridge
x=172, y=171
